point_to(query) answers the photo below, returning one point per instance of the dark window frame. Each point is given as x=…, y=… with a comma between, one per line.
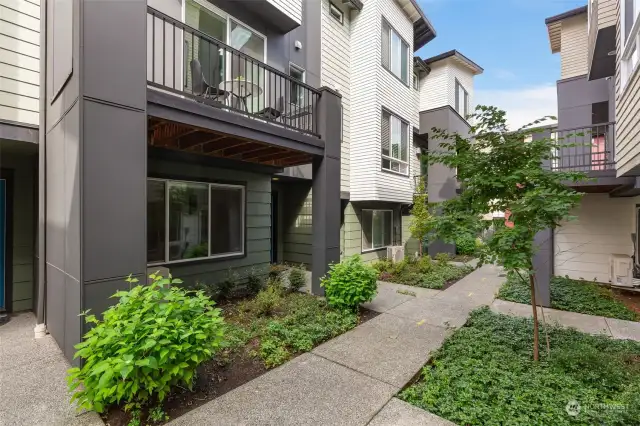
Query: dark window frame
x=388, y=68
x=340, y=18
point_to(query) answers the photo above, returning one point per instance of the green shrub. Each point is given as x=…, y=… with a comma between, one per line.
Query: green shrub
x=276, y=270
x=199, y=250
x=350, y=283
x=297, y=278
x=425, y=264
x=383, y=265
x=225, y=287
x=443, y=258
x=465, y=244
x=267, y=301
x=254, y=282
x=151, y=340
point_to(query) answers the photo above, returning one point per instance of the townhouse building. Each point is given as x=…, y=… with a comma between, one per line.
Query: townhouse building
x=208, y=138
x=597, y=115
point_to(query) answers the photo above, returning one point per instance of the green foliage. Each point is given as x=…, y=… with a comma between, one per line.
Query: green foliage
x=571, y=295
x=152, y=339
x=277, y=269
x=158, y=415
x=406, y=292
x=297, y=278
x=423, y=272
x=350, y=283
x=422, y=221
x=199, y=250
x=483, y=375
x=499, y=171
x=466, y=244
x=382, y=265
x=266, y=301
x=136, y=418
x=225, y=287
x=254, y=282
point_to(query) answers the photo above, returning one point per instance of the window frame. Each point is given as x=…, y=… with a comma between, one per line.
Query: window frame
x=416, y=81
x=293, y=66
x=465, y=101
x=389, y=157
x=333, y=8
x=630, y=45
x=224, y=256
x=372, y=249
x=390, y=56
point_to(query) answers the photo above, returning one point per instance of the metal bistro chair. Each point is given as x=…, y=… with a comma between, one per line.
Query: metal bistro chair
x=199, y=85
x=271, y=113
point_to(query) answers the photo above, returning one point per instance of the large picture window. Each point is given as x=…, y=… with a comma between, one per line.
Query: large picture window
x=395, y=141
x=630, y=39
x=395, y=53
x=462, y=100
x=193, y=220
x=377, y=229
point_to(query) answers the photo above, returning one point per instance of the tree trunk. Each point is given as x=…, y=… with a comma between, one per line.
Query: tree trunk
x=534, y=305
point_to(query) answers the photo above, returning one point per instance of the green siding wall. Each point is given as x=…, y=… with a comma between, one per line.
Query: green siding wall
x=258, y=221
x=353, y=229
x=297, y=223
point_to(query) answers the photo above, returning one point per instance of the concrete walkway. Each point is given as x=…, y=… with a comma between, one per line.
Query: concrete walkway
x=33, y=386
x=351, y=380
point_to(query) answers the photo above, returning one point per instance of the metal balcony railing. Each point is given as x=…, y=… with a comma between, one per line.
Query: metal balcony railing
x=190, y=63
x=585, y=149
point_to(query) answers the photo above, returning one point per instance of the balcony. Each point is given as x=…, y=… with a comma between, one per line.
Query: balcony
x=189, y=63
x=586, y=149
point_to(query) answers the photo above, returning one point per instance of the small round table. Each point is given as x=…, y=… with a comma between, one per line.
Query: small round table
x=241, y=89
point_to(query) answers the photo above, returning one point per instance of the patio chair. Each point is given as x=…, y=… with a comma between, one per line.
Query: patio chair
x=199, y=85
x=271, y=113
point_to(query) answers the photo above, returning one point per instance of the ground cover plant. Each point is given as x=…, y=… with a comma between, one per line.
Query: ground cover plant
x=580, y=296
x=248, y=333
x=484, y=374
x=422, y=272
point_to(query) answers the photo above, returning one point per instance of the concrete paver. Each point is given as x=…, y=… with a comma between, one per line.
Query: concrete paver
x=436, y=311
x=621, y=329
x=308, y=390
x=514, y=309
x=388, y=348
x=586, y=323
x=400, y=413
x=388, y=296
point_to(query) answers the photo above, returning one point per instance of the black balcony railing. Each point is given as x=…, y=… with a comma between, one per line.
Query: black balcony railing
x=190, y=63
x=585, y=149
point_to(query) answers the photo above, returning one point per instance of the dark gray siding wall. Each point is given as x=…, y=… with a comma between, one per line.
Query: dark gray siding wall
x=575, y=97
x=297, y=223
x=23, y=167
x=258, y=221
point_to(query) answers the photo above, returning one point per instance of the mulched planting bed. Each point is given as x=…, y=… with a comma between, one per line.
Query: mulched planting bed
x=423, y=272
x=484, y=374
x=584, y=297
x=262, y=333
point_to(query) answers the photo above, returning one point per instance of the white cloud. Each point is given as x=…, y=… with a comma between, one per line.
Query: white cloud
x=522, y=105
x=503, y=74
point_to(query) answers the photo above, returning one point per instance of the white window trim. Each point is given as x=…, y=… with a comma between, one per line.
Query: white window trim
x=166, y=222
x=466, y=108
x=333, y=8
x=402, y=40
x=390, y=158
x=300, y=69
x=628, y=46
x=362, y=249
x=416, y=82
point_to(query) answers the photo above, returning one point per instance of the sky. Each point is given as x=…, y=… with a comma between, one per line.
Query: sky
x=508, y=38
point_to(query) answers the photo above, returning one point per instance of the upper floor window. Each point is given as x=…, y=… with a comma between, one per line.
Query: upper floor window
x=462, y=100
x=415, y=81
x=296, y=96
x=337, y=14
x=395, y=141
x=631, y=38
x=395, y=53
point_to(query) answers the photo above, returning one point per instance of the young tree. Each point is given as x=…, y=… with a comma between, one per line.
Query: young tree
x=422, y=219
x=500, y=171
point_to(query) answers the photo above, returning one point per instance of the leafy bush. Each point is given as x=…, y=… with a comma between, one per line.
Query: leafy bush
x=151, y=340
x=254, y=282
x=350, y=283
x=484, y=375
x=276, y=270
x=199, y=250
x=225, y=287
x=443, y=258
x=425, y=264
x=383, y=265
x=266, y=301
x=297, y=279
x=571, y=295
x=465, y=244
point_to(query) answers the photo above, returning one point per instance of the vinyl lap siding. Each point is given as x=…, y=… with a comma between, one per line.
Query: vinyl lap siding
x=607, y=10
x=574, y=53
x=434, y=90
x=603, y=227
x=465, y=78
x=292, y=8
x=627, y=138
x=335, y=72
x=19, y=61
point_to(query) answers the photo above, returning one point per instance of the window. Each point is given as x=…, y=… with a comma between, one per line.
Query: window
x=193, y=220
x=336, y=13
x=462, y=100
x=296, y=95
x=395, y=140
x=377, y=229
x=415, y=81
x=631, y=38
x=395, y=53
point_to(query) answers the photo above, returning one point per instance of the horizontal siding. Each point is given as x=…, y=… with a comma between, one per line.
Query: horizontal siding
x=434, y=88
x=574, y=52
x=465, y=77
x=292, y=8
x=297, y=224
x=603, y=226
x=335, y=73
x=607, y=10
x=19, y=60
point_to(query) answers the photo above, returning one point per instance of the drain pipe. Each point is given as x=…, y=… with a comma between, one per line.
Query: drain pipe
x=40, y=329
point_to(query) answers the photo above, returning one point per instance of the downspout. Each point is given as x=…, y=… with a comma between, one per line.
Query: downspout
x=40, y=329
